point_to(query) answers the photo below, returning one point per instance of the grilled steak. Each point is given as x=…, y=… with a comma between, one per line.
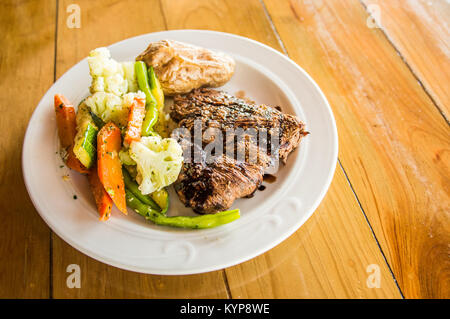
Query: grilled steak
x=210, y=182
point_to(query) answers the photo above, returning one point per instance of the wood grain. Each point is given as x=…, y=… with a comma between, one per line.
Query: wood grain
x=327, y=258
x=394, y=146
x=26, y=68
x=245, y=18
x=419, y=30
x=394, y=143
x=103, y=23
x=99, y=280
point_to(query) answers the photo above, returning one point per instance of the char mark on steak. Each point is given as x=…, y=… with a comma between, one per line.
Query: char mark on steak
x=211, y=185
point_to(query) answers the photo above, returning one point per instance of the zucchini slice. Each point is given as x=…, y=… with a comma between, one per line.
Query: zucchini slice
x=85, y=146
x=160, y=126
x=155, y=88
x=97, y=121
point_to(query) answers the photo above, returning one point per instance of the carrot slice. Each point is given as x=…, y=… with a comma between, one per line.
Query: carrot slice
x=109, y=166
x=102, y=199
x=135, y=119
x=66, y=121
x=67, y=129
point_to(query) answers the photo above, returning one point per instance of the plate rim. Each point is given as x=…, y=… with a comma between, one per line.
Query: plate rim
x=288, y=231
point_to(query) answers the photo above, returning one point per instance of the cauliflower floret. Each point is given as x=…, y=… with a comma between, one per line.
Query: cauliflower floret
x=107, y=74
x=110, y=107
x=130, y=76
x=158, y=162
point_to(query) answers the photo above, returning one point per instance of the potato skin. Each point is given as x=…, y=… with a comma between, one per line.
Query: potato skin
x=182, y=67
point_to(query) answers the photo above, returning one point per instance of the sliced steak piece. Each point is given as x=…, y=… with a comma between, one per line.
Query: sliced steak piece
x=210, y=188
x=211, y=184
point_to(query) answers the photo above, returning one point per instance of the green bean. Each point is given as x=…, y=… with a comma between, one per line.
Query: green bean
x=139, y=207
x=151, y=116
x=143, y=82
x=133, y=187
x=197, y=222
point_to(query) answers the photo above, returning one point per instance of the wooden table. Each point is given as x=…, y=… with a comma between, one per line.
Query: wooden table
x=388, y=205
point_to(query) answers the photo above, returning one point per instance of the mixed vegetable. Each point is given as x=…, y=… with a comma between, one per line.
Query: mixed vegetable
x=119, y=139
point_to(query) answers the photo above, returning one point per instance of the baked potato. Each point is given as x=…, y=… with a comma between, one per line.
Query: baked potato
x=182, y=67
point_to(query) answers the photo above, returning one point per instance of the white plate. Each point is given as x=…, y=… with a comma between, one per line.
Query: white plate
x=130, y=242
